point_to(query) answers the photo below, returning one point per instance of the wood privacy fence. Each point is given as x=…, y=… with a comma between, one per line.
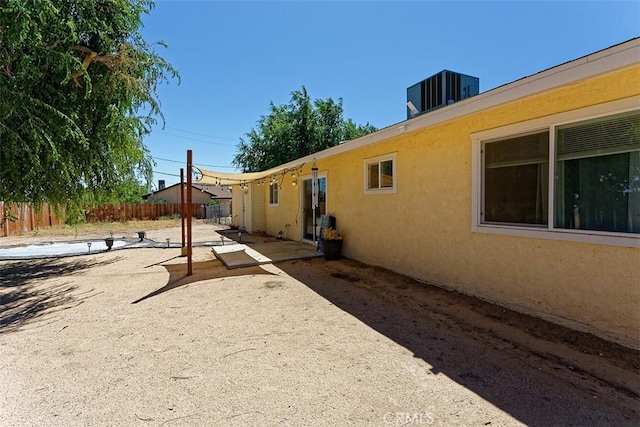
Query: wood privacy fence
x=129, y=211
x=22, y=218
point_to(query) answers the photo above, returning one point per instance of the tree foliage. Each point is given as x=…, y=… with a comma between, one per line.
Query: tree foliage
x=77, y=95
x=295, y=130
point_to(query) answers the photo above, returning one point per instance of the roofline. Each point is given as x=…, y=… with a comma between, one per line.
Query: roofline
x=194, y=184
x=616, y=57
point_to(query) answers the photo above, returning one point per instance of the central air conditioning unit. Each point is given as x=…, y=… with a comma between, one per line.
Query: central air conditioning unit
x=440, y=90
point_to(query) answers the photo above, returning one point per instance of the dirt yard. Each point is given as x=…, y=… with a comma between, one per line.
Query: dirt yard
x=124, y=338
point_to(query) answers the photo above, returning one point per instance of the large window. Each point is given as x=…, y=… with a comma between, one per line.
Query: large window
x=579, y=176
x=380, y=174
x=598, y=174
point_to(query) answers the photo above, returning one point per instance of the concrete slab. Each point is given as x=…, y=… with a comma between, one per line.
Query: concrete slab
x=286, y=250
x=241, y=255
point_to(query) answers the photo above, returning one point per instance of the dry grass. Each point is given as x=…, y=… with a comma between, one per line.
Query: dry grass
x=105, y=228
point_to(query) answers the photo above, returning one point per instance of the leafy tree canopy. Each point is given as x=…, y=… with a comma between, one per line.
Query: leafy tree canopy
x=77, y=95
x=295, y=130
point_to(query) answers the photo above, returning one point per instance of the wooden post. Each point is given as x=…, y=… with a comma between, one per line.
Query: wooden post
x=182, y=210
x=32, y=216
x=5, y=225
x=189, y=211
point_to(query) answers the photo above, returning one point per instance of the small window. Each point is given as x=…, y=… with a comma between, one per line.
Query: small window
x=273, y=193
x=380, y=174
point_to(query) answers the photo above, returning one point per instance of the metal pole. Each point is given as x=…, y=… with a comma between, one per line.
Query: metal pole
x=189, y=211
x=182, y=209
x=314, y=199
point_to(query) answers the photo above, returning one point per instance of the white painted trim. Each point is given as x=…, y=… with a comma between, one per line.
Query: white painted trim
x=583, y=236
x=477, y=179
x=378, y=160
x=551, y=179
x=548, y=122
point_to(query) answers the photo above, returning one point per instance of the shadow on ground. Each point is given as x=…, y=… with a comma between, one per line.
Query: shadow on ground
x=433, y=324
x=18, y=273
x=24, y=298
x=205, y=270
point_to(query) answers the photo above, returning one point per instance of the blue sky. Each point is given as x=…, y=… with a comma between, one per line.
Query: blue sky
x=236, y=57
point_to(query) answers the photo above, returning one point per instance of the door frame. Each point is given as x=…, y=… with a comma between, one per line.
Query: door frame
x=304, y=178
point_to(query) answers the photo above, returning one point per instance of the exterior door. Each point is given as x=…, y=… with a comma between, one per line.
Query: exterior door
x=307, y=208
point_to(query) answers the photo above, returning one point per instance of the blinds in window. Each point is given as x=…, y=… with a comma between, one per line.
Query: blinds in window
x=598, y=137
x=516, y=151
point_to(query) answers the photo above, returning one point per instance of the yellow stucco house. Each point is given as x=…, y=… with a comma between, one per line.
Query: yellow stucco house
x=527, y=195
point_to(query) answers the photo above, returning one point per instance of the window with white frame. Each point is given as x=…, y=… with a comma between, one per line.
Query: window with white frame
x=582, y=176
x=598, y=174
x=516, y=173
x=273, y=193
x=380, y=174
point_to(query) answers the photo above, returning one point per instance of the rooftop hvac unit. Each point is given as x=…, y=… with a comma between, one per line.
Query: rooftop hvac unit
x=440, y=90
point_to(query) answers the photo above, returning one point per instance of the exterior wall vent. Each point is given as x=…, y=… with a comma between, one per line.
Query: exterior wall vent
x=161, y=184
x=440, y=90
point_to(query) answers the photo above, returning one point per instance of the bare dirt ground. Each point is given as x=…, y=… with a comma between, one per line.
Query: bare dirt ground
x=124, y=338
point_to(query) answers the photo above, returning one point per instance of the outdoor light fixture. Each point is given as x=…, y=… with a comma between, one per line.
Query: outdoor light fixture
x=89, y=245
x=168, y=240
x=412, y=108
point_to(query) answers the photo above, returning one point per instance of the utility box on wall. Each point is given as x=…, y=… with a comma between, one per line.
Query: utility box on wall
x=440, y=90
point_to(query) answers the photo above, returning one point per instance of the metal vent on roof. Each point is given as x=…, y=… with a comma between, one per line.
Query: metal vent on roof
x=440, y=90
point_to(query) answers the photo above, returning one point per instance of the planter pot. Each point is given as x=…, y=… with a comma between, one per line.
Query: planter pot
x=332, y=249
x=109, y=242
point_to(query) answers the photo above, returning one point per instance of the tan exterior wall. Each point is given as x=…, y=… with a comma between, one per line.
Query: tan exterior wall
x=257, y=222
x=424, y=229
x=247, y=208
x=238, y=202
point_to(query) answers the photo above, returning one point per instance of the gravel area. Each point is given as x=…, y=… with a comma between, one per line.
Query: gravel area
x=124, y=338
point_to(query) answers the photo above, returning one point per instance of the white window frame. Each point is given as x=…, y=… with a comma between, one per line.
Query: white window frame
x=377, y=160
x=548, y=123
x=277, y=194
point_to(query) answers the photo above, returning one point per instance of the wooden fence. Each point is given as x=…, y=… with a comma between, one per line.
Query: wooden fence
x=129, y=211
x=22, y=218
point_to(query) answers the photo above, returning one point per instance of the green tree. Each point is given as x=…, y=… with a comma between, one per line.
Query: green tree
x=295, y=130
x=77, y=95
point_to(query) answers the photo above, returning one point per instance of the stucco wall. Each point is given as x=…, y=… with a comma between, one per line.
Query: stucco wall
x=258, y=195
x=424, y=229
x=236, y=205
